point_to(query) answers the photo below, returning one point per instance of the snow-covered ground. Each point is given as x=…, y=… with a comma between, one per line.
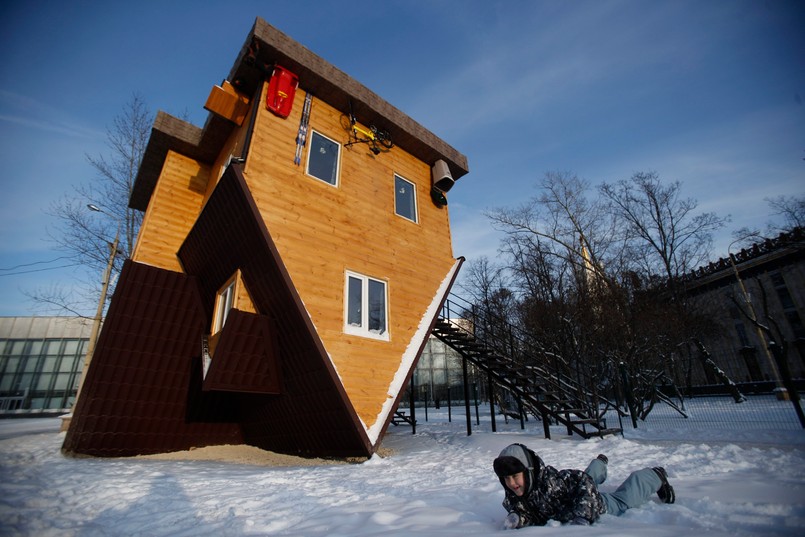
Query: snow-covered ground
x=437, y=482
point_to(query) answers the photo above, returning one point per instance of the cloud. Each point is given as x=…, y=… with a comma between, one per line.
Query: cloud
x=49, y=126
x=526, y=64
x=22, y=111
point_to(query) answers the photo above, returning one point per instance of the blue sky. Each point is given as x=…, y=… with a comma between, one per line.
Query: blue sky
x=707, y=93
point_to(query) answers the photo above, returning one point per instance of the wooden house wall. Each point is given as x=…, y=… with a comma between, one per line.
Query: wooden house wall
x=181, y=191
x=322, y=231
x=232, y=147
x=174, y=207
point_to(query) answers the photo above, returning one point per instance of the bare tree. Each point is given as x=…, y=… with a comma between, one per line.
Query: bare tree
x=787, y=213
x=85, y=236
x=481, y=278
x=592, y=269
x=772, y=336
x=563, y=253
x=790, y=209
x=566, y=224
x=667, y=236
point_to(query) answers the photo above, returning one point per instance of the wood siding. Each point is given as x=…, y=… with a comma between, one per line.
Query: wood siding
x=321, y=231
x=172, y=210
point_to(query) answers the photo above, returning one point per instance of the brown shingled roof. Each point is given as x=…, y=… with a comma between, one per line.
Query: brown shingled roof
x=142, y=393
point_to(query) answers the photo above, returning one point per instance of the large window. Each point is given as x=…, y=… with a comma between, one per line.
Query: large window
x=40, y=373
x=322, y=158
x=366, y=307
x=405, y=198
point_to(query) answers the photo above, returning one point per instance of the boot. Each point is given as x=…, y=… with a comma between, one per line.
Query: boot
x=666, y=491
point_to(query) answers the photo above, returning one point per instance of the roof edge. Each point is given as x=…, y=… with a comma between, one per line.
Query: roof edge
x=413, y=353
x=367, y=105
x=264, y=47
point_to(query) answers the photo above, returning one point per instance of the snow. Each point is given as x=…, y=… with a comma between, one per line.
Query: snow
x=435, y=483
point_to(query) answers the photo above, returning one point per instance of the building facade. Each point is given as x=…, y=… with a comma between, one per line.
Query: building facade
x=765, y=281
x=41, y=360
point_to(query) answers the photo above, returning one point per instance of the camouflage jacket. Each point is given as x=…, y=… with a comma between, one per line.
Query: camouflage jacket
x=562, y=495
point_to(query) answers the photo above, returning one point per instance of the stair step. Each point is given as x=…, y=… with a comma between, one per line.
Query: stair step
x=586, y=421
x=604, y=432
x=539, y=387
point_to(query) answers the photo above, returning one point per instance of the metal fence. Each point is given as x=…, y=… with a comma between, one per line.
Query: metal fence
x=714, y=413
x=703, y=415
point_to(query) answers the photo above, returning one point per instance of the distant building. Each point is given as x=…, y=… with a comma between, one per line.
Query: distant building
x=772, y=275
x=774, y=269
x=439, y=367
x=439, y=374
x=41, y=359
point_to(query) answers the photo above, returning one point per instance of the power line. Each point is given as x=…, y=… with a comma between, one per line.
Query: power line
x=34, y=263
x=38, y=270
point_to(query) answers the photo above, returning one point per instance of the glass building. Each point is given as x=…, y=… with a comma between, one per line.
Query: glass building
x=41, y=361
x=439, y=378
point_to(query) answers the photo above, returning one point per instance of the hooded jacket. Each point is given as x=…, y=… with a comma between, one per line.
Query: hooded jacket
x=551, y=494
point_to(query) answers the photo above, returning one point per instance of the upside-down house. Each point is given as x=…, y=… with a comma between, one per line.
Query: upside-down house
x=292, y=259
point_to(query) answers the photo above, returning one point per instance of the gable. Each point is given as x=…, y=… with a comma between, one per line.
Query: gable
x=313, y=413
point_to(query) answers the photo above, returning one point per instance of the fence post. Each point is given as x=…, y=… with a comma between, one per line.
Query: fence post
x=492, y=402
x=546, y=422
x=466, y=394
x=782, y=365
x=413, y=412
x=627, y=393
x=477, y=414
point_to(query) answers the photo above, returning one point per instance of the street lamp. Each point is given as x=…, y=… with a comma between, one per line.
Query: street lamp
x=96, y=324
x=748, y=299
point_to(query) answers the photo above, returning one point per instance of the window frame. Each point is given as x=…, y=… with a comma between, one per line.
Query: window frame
x=224, y=302
x=415, y=218
x=363, y=330
x=313, y=134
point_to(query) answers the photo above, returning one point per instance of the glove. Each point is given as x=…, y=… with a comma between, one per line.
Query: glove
x=580, y=521
x=512, y=522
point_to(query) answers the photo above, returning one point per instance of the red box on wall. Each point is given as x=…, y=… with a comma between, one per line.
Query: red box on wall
x=281, y=91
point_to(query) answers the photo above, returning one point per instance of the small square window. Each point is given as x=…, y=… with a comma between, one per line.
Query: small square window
x=405, y=198
x=366, y=307
x=322, y=158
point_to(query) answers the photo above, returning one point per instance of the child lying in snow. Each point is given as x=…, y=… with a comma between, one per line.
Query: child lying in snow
x=536, y=493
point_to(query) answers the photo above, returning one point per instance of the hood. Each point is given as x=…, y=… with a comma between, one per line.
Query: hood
x=517, y=458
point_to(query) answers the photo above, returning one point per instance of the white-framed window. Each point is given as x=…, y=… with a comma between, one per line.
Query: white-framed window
x=224, y=301
x=323, y=158
x=366, y=305
x=405, y=198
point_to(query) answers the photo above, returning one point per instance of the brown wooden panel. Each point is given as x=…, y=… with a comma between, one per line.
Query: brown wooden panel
x=226, y=102
x=247, y=357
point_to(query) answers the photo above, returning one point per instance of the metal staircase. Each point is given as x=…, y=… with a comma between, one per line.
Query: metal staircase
x=542, y=382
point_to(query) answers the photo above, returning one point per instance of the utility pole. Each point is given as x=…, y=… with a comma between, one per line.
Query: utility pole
x=97, y=320
x=748, y=299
